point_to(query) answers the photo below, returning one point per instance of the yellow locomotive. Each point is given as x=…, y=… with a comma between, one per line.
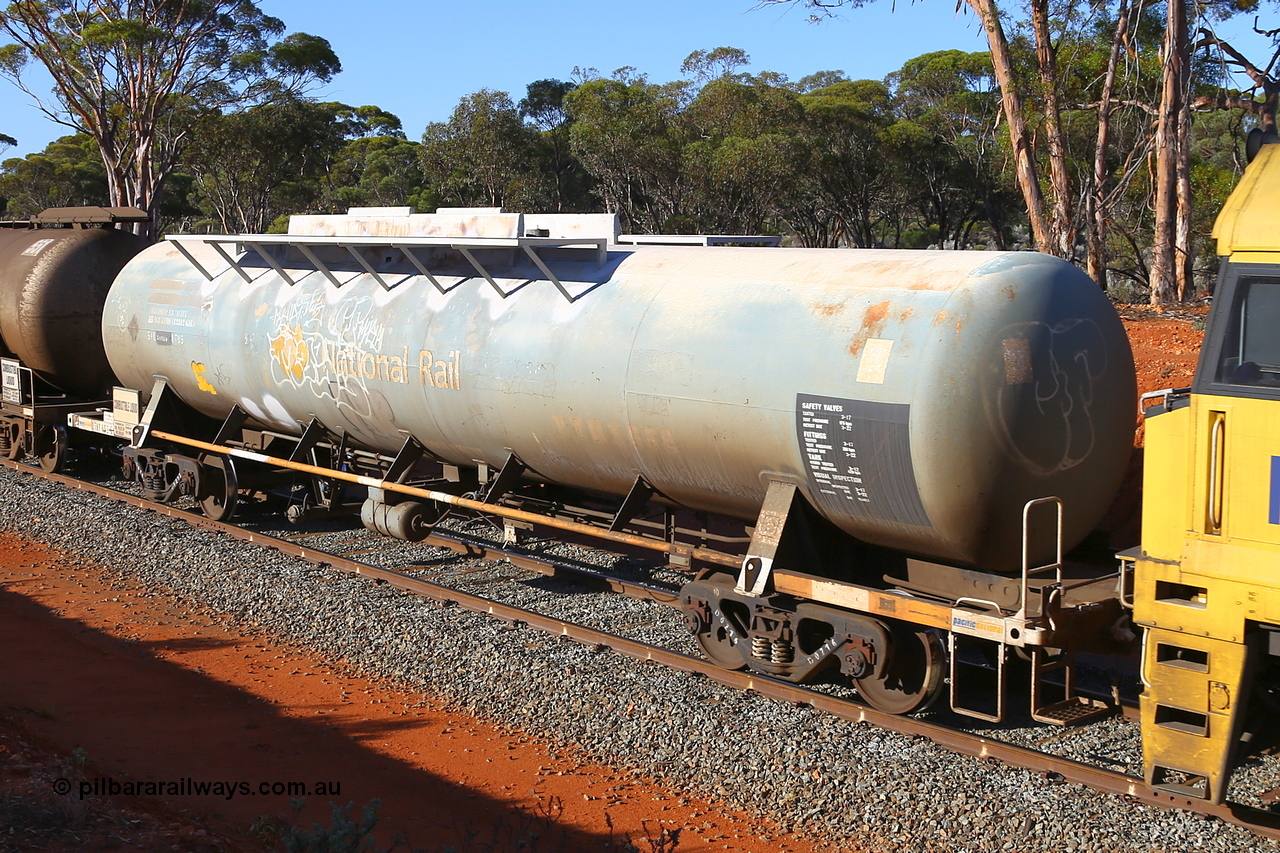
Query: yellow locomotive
x=1207, y=578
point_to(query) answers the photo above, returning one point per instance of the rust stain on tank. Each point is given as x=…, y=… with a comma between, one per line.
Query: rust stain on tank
x=940, y=318
x=827, y=311
x=872, y=325
x=906, y=315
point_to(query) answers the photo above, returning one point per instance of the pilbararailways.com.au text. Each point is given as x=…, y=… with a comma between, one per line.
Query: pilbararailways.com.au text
x=188, y=787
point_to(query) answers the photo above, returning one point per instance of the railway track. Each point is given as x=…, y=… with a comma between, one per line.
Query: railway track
x=1056, y=768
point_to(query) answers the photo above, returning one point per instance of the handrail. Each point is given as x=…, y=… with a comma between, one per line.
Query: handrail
x=1216, y=451
x=632, y=539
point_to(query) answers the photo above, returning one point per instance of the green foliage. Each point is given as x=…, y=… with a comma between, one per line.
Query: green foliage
x=378, y=171
x=720, y=63
x=343, y=835
x=831, y=160
x=484, y=155
x=918, y=159
x=818, y=80
x=67, y=173
x=250, y=166
x=567, y=180
x=630, y=137
x=544, y=103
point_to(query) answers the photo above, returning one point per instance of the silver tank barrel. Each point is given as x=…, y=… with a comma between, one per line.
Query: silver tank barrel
x=918, y=398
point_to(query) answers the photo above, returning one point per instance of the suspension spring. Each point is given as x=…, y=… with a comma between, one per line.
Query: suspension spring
x=761, y=648
x=782, y=652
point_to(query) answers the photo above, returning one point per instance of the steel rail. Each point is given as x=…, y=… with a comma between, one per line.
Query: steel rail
x=1131, y=788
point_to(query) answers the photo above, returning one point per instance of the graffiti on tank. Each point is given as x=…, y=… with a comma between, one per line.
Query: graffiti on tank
x=342, y=352
x=1044, y=379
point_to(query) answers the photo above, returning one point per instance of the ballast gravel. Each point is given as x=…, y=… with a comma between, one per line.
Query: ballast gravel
x=856, y=786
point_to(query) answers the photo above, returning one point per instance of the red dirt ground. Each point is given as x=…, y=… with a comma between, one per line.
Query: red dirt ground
x=1166, y=345
x=100, y=682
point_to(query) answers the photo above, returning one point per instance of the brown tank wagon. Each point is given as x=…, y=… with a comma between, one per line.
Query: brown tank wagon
x=55, y=271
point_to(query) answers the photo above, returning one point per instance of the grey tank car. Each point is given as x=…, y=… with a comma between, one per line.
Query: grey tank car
x=918, y=400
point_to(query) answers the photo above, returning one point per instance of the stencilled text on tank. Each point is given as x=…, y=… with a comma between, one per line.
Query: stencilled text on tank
x=825, y=434
x=173, y=316
x=171, y=305
x=857, y=454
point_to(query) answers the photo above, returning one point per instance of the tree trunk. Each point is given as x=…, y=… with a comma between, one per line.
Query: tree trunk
x=1060, y=233
x=1184, y=258
x=1164, y=260
x=1097, y=251
x=1011, y=103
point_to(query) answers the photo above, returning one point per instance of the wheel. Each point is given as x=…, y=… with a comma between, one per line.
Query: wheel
x=714, y=639
x=912, y=680
x=51, y=447
x=220, y=488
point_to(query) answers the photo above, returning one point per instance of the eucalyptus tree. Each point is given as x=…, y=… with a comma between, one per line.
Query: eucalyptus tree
x=67, y=173
x=254, y=165
x=484, y=155
x=744, y=152
x=378, y=171
x=715, y=64
x=630, y=135
x=947, y=107
x=543, y=107
x=135, y=75
x=1049, y=218
x=844, y=130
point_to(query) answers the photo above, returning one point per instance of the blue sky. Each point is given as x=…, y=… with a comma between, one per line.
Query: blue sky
x=416, y=59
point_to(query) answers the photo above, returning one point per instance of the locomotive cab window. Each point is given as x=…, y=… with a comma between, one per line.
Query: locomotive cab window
x=1251, y=346
x=1243, y=344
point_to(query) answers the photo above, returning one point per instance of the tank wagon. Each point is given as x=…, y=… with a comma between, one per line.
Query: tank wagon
x=916, y=400
x=859, y=453
x=55, y=270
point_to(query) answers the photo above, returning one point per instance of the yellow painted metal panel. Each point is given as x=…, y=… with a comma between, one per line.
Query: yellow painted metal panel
x=1252, y=469
x=1257, y=257
x=1240, y=584
x=1166, y=470
x=1206, y=413
x=1250, y=220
